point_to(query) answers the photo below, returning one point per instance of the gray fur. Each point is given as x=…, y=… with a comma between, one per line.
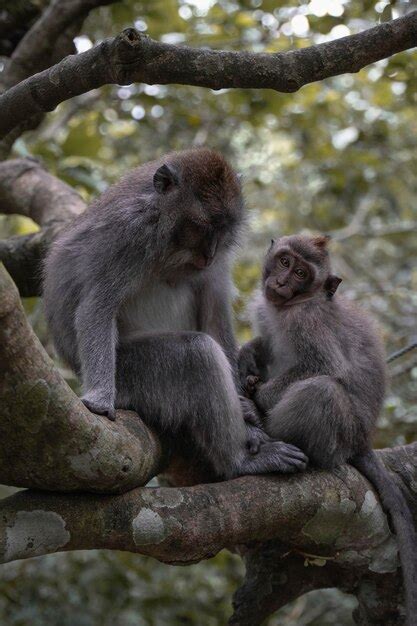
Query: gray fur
x=316, y=373
x=132, y=286
x=332, y=368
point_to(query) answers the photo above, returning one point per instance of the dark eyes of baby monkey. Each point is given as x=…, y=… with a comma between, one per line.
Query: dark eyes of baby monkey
x=137, y=296
x=316, y=373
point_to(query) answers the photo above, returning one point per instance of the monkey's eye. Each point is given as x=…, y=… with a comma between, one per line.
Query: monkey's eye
x=300, y=273
x=284, y=260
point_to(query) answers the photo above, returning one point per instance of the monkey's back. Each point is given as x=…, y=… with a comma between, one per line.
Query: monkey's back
x=87, y=254
x=329, y=337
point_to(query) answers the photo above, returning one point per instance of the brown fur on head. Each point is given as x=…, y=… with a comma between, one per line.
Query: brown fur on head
x=298, y=266
x=201, y=205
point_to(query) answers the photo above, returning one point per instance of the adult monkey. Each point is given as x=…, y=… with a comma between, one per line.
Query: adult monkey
x=316, y=373
x=137, y=296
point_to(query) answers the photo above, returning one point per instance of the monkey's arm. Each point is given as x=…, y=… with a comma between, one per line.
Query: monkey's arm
x=95, y=323
x=215, y=318
x=253, y=359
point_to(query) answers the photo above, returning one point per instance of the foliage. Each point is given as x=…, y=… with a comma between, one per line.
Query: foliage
x=338, y=157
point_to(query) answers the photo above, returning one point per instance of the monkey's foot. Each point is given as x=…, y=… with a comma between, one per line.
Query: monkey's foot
x=276, y=456
x=256, y=438
x=99, y=408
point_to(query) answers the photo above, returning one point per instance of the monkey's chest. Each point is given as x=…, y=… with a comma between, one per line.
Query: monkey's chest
x=158, y=308
x=283, y=354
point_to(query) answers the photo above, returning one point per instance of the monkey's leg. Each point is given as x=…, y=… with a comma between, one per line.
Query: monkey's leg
x=315, y=414
x=176, y=380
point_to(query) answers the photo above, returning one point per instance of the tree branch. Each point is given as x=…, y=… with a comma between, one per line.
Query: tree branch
x=134, y=57
x=335, y=517
x=48, y=439
x=27, y=189
x=34, y=51
x=47, y=42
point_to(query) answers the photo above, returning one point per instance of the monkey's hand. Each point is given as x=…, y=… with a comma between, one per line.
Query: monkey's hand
x=252, y=385
x=256, y=437
x=266, y=395
x=251, y=415
x=97, y=402
x=247, y=364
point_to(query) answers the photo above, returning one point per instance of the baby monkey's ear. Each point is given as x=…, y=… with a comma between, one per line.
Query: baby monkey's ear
x=321, y=241
x=331, y=284
x=164, y=178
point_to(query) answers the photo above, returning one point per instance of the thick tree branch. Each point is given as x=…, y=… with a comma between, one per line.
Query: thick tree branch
x=27, y=189
x=133, y=57
x=332, y=517
x=48, y=439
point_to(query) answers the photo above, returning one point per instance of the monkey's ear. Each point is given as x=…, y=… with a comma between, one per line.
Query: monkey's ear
x=271, y=244
x=331, y=284
x=321, y=241
x=164, y=178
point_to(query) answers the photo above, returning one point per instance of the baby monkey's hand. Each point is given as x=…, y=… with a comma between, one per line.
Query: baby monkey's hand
x=252, y=385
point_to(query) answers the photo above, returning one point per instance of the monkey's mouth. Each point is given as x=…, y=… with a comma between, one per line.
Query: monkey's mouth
x=278, y=294
x=201, y=262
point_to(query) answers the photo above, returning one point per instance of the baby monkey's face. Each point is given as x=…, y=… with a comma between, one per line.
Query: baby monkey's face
x=297, y=265
x=286, y=275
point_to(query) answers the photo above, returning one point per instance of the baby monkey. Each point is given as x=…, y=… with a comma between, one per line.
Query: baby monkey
x=316, y=373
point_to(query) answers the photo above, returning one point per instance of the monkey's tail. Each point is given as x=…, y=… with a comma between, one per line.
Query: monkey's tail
x=394, y=502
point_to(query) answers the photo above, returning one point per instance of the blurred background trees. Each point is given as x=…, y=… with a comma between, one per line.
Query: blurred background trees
x=337, y=157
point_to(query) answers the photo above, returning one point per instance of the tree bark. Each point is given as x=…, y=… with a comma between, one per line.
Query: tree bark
x=48, y=439
x=319, y=516
x=27, y=189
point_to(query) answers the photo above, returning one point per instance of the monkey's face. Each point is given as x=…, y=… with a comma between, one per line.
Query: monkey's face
x=197, y=244
x=287, y=275
x=201, y=213
x=294, y=266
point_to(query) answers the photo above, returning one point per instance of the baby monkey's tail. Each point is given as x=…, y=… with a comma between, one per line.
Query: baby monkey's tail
x=395, y=504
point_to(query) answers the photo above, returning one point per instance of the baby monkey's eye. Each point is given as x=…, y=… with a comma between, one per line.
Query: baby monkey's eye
x=300, y=273
x=284, y=260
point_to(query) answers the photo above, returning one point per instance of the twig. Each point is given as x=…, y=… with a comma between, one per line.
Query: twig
x=399, y=353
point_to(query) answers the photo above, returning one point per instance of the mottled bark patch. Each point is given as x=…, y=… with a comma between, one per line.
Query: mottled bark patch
x=33, y=533
x=163, y=498
x=148, y=528
x=331, y=520
x=385, y=557
x=86, y=465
